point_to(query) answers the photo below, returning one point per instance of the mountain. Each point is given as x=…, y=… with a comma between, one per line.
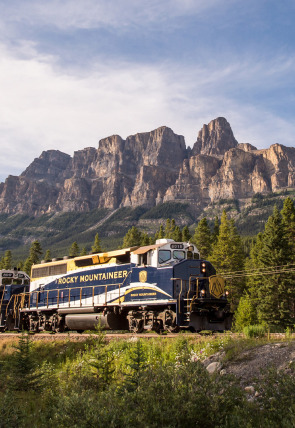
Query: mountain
x=147, y=169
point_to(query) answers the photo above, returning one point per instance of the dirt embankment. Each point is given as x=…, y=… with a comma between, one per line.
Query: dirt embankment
x=251, y=364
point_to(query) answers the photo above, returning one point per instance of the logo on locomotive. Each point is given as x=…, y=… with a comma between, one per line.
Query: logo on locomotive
x=143, y=276
x=216, y=286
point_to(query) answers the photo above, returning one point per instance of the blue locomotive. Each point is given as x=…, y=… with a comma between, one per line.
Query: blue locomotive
x=13, y=285
x=159, y=287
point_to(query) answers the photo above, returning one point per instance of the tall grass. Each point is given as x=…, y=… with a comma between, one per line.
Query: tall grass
x=135, y=382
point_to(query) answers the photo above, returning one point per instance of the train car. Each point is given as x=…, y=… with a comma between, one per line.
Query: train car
x=160, y=287
x=13, y=284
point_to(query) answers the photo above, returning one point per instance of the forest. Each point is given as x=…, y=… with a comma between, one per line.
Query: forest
x=260, y=271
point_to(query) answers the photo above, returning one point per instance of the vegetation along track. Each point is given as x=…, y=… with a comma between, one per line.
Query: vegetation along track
x=80, y=337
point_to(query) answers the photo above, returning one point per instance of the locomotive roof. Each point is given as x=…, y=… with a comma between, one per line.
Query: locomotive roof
x=113, y=253
x=143, y=250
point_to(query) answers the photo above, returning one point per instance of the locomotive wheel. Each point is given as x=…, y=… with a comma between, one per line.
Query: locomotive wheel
x=57, y=324
x=136, y=326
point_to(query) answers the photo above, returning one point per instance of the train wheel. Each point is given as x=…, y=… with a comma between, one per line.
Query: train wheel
x=136, y=325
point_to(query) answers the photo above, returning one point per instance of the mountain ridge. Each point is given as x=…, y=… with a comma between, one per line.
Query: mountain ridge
x=147, y=169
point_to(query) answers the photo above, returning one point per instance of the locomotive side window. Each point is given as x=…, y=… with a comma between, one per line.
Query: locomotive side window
x=178, y=255
x=189, y=255
x=164, y=256
x=41, y=272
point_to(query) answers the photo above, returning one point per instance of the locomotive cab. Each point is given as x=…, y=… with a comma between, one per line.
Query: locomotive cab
x=165, y=252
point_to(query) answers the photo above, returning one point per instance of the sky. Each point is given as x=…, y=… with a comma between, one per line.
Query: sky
x=75, y=71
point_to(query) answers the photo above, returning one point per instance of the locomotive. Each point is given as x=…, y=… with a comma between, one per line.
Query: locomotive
x=160, y=287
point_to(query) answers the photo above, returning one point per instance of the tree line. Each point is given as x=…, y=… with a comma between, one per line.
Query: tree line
x=261, y=285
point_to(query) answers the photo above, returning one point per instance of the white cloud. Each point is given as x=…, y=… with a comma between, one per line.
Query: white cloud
x=44, y=107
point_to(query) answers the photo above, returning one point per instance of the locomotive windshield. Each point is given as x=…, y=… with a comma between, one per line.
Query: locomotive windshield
x=164, y=256
x=178, y=255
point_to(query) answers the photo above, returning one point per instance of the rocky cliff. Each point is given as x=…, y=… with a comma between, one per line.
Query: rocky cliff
x=147, y=169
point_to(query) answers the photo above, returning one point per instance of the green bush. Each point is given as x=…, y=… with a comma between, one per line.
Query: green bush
x=257, y=330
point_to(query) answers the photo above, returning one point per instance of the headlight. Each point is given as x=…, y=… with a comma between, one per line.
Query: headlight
x=226, y=293
x=203, y=292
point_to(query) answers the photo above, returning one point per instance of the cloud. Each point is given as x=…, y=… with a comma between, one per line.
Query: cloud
x=88, y=14
x=46, y=107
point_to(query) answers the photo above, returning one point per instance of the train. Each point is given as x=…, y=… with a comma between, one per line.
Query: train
x=160, y=287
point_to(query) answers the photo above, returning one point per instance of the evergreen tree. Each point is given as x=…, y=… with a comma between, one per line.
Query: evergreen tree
x=96, y=248
x=2, y=262
x=47, y=256
x=227, y=256
x=20, y=265
x=160, y=234
x=7, y=261
x=168, y=229
x=177, y=235
x=23, y=366
x=288, y=218
x=83, y=251
x=202, y=238
x=27, y=266
x=275, y=293
x=35, y=252
x=245, y=314
x=132, y=238
x=137, y=366
x=186, y=236
x=145, y=239
x=34, y=256
x=215, y=230
x=74, y=249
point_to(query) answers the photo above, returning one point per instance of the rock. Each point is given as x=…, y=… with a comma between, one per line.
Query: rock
x=250, y=390
x=213, y=367
x=222, y=372
x=216, y=138
x=149, y=168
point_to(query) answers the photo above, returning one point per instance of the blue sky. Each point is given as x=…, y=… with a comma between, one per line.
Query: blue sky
x=73, y=72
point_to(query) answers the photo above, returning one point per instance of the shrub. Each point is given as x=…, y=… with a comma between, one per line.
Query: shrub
x=257, y=330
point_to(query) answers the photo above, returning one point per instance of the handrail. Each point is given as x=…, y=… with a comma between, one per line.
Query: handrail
x=38, y=292
x=2, y=297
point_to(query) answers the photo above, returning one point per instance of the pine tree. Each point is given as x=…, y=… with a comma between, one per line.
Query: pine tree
x=23, y=366
x=34, y=256
x=245, y=314
x=7, y=261
x=160, y=234
x=83, y=251
x=2, y=262
x=275, y=293
x=74, y=249
x=202, y=238
x=176, y=235
x=186, y=236
x=47, y=256
x=96, y=248
x=227, y=256
x=167, y=230
x=288, y=218
x=137, y=365
x=35, y=252
x=132, y=238
x=215, y=230
x=145, y=239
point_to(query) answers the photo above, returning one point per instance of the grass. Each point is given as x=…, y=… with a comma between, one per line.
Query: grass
x=96, y=383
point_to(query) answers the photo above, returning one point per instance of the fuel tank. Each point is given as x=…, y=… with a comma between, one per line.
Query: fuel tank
x=88, y=321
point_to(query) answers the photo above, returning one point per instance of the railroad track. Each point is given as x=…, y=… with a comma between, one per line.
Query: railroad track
x=81, y=337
